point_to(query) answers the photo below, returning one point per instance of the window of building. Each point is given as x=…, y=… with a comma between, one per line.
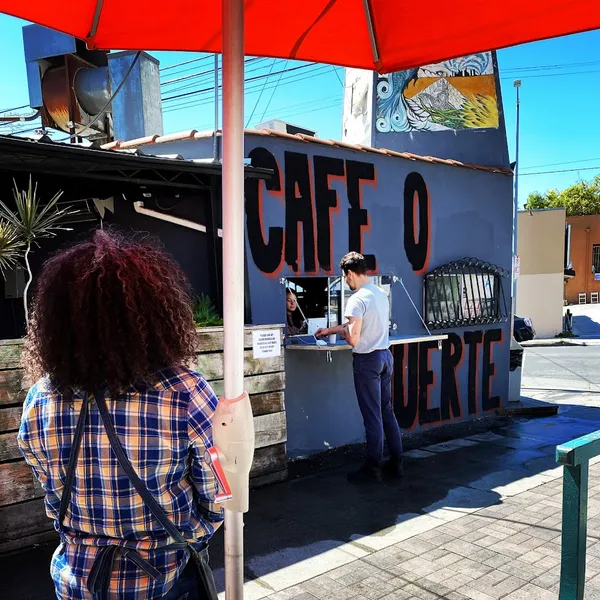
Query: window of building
x=596, y=258
x=465, y=292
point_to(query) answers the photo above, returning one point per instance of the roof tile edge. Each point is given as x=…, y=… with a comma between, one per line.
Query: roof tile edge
x=194, y=134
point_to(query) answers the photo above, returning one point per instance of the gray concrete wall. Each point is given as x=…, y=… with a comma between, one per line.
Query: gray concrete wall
x=469, y=215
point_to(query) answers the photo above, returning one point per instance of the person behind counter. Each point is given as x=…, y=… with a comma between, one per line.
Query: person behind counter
x=110, y=334
x=296, y=324
x=367, y=331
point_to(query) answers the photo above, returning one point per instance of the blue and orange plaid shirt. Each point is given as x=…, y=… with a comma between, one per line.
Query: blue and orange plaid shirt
x=165, y=431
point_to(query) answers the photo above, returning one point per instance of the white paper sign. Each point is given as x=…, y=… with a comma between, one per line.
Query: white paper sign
x=517, y=266
x=266, y=343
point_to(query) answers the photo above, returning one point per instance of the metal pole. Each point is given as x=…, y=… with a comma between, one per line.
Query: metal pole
x=233, y=256
x=516, y=204
x=215, y=139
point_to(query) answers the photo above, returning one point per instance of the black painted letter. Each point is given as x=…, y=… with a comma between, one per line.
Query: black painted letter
x=298, y=211
x=417, y=250
x=405, y=405
x=489, y=402
x=358, y=217
x=266, y=255
x=426, y=378
x=325, y=200
x=452, y=352
x=473, y=339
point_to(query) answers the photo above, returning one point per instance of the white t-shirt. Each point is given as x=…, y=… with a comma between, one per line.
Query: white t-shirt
x=371, y=304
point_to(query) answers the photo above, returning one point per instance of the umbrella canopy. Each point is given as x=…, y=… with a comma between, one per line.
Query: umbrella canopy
x=382, y=35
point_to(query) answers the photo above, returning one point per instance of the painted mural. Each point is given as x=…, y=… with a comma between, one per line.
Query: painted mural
x=452, y=95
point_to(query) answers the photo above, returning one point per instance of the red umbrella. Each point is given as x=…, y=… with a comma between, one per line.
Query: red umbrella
x=382, y=35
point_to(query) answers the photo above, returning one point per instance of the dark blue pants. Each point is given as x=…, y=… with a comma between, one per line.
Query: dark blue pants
x=373, y=384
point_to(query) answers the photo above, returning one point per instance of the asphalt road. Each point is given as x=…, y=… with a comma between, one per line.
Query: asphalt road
x=565, y=368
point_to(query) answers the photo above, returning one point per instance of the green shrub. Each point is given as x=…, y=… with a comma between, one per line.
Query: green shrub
x=205, y=312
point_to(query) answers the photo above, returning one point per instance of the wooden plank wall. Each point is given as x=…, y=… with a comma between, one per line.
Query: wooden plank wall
x=23, y=521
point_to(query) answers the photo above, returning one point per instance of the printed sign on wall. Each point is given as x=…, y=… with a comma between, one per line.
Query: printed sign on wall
x=266, y=343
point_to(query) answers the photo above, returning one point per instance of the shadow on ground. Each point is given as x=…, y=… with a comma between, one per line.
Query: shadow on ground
x=585, y=327
x=309, y=516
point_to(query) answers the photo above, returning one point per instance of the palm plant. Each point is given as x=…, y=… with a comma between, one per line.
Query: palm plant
x=11, y=246
x=31, y=221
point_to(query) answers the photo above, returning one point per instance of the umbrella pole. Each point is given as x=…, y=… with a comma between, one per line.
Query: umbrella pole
x=233, y=256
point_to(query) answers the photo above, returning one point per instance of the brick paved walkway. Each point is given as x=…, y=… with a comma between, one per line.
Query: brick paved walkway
x=510, y=550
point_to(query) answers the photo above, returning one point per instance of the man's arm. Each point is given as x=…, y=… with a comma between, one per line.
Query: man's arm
x=350, y=331
x=353, y=329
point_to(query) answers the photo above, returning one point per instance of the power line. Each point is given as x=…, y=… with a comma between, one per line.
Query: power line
x=200, y=73
x=262, y=118
x=337, y=75
x=262, y=91
x=5, y=110
x=551, y=75
x=209, y=100
x=287, y=115
x=185, y=62
x=550, y=67
x=249, y=79
x=208, y=78
x=570, y=162
x=560, y=171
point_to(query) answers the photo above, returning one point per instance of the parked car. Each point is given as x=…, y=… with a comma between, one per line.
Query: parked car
x=524, y=331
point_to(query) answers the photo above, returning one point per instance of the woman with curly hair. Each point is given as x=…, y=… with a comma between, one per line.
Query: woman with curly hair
x=117, y=427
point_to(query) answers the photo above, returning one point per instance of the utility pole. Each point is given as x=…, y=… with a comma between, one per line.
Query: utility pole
x=517, y=85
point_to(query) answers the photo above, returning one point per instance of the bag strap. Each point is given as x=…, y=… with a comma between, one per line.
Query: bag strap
x=76, y=446
x=157, y=511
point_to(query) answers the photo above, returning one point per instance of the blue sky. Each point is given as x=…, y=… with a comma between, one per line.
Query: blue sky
x=560, y=123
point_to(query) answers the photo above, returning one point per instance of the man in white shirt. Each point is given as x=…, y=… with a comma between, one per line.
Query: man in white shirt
x=367, y=331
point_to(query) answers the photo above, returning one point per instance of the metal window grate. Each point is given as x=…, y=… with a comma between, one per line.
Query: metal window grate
x=465, y=292
x=596, y=258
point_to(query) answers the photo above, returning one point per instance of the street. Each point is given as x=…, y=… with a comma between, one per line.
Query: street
x=564, y=368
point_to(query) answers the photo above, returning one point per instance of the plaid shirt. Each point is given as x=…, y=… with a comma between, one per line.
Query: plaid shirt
x=165, y=431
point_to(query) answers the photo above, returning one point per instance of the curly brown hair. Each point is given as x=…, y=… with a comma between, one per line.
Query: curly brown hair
x=109, y=311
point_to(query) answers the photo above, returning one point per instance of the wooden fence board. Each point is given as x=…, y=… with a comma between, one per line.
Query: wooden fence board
x=268, y=460
x=256, y=384
x=16, y=483
x=10, y=356
x=20, y=520
x=265, y=404
x=11, y=387
x=210, y=365
x=10, y=418
x=269, y=430
x=9, y=449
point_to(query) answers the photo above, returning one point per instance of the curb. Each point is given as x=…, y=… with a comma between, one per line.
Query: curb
x=560, y=342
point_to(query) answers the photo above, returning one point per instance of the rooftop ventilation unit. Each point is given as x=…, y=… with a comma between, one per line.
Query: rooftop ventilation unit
x=283, y=127
x=74, y=88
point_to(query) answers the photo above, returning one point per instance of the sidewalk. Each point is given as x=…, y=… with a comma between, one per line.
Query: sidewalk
x=475, y=518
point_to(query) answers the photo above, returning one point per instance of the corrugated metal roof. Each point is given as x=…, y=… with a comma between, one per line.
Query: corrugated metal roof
x=130, y=165
x=192, y=134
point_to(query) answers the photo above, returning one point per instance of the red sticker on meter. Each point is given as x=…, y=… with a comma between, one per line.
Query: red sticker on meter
x=212, y=458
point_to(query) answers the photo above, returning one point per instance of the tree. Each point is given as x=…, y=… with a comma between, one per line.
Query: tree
x=537, y=201
x=31, y=221
x=581, y=198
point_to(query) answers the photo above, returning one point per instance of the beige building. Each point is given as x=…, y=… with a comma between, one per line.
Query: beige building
x=540, y=287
